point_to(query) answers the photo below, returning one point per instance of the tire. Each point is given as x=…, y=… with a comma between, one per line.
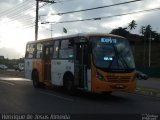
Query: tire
x=69, y=84
x=107, y=93
x=35, y=79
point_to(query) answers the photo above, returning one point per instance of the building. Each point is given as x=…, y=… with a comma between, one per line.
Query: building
x=1, y=57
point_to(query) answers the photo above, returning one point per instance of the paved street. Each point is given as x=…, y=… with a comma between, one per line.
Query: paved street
x=17, y=95
x=150, y=83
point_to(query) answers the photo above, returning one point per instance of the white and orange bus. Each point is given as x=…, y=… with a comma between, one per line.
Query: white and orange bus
x=92, y=62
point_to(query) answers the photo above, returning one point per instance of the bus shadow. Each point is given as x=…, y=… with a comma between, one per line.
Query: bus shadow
x=83, y=95
x=103, y=97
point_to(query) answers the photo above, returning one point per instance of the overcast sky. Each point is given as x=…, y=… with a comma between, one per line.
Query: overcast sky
x=17, y=20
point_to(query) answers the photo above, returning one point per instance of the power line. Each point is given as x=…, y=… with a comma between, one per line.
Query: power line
x=93, y=9
x=28, y=27
x=14, y=9
x=16, y=12
x=43, y=5
x=105, y=17
x=20, y=16
x=37, y=14
x=122, y=3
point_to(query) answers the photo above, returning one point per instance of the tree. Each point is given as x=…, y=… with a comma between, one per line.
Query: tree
x=148, y=31
x=132, y=25
x=120, y=31
x=142, y=30
x=148, y=28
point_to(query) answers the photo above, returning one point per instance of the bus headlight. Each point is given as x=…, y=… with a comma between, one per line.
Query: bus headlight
x=99, y=76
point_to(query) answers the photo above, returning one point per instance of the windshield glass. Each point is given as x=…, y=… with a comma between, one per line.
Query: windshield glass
x=112, y=53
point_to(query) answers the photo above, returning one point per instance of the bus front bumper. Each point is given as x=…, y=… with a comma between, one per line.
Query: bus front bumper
x=109, y=87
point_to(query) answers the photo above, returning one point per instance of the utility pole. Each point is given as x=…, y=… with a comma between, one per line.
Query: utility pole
x=149, y=48
x=144, y=50
x=51, y=30
x=36, y=21
x=37, y=10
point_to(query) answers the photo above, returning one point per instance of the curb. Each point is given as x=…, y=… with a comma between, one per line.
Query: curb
x=148, y=91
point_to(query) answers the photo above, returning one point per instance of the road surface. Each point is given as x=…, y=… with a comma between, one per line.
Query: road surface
x=17, y=95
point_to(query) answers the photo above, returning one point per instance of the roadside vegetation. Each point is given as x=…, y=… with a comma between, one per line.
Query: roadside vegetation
x=144, y=44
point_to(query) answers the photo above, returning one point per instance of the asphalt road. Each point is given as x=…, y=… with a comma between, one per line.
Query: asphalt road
x=17, y=95
x=150, y=83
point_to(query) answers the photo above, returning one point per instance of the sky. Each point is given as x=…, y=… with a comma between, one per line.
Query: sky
x=17, y=20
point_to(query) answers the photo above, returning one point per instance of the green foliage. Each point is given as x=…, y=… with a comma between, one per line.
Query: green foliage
x=132, y=25
x=148, y=33
x=140, y=47
x=120, y=31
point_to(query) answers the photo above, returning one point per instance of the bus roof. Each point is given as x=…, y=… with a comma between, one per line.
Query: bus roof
x=76, y=35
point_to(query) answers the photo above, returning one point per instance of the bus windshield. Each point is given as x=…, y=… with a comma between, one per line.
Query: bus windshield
x=112, y=53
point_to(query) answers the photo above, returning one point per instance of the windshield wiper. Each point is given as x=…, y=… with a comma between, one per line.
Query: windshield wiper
x=123, y=61
x=109, y=66
x=125, y=65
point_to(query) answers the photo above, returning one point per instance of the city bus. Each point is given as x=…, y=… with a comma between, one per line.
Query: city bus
x=92, y=62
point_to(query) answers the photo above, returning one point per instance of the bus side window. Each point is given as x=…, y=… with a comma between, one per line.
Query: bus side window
x=66, y=49
x=56, y=49
x=51, y=51
x=30, y=51
x=39, y=50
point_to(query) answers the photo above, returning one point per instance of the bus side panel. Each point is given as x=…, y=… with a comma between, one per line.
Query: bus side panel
x=58, y=69
x=28, y=68
x=38, y=64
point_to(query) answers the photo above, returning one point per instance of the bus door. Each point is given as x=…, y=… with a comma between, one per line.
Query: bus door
x=81, y=65
x=48, y=50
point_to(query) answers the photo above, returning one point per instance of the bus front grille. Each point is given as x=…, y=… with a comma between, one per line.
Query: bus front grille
x=118, y=79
